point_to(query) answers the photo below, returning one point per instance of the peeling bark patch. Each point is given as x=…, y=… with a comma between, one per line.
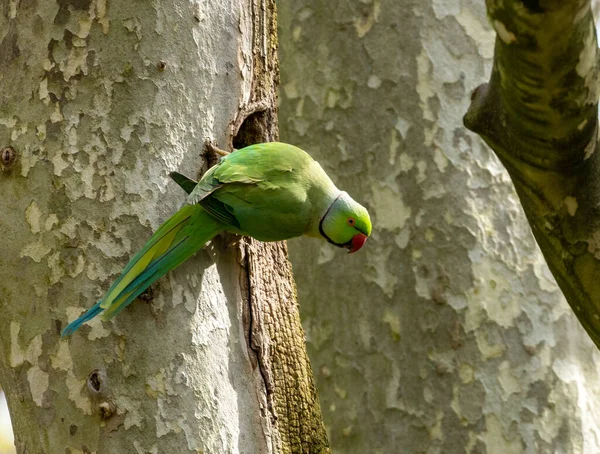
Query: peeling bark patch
x=16, y=355
x=38, y=384
x=587, y=65
x=62, y=16
x=587, y=57
x=9, y=50
x=33, y=215
x=390, y=210
x=594, y=244
x=367, y=19
x=503, y=33
x=592, y=145
x=571, y=204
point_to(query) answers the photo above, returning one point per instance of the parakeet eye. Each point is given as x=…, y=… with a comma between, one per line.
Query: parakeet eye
x=351, y=221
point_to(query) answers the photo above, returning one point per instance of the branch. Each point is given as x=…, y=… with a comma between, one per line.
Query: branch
x=539, y=113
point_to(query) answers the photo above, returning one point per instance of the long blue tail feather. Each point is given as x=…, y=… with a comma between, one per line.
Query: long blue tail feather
x=166, y=262
x=74, y=325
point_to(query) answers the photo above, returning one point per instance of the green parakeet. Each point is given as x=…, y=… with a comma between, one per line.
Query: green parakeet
x=269, y=191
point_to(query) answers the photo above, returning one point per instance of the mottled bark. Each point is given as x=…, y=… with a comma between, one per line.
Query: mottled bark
x=99, y=101
x=446, y=332
x=539, y=113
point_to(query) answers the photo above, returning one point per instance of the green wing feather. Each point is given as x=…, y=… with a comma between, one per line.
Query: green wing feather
x=220, y=211
x=262, y=191
x=206, y=186
x=186, y=183
x=213, y=206
x=230, y=182
x=261, y=163
x=264, y=165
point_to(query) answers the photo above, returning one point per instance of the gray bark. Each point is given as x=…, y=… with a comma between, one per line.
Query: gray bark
x=100, y=100
x=446, y=332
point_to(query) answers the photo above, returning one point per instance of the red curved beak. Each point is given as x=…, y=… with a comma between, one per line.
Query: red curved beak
x=358, y=241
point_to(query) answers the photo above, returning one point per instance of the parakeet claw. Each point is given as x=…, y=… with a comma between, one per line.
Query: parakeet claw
x=213, y=154
x=215, y=150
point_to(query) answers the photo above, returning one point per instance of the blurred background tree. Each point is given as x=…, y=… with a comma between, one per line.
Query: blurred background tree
x=447, y=333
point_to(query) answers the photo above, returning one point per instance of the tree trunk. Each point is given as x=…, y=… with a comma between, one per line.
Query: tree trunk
x=446, y=333
x=100, y=100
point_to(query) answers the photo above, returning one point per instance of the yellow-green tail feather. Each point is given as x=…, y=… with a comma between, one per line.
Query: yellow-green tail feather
x=172, y=244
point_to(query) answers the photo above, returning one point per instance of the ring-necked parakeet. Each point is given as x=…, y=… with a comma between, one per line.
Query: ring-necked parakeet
x=270, y=191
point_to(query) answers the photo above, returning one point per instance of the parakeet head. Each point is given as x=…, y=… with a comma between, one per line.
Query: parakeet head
x=346, y=223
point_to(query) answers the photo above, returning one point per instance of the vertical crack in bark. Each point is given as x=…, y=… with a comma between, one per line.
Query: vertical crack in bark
x=253, y=328
x=277, y=339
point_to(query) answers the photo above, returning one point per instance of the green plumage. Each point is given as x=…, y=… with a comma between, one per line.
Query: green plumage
x=270, y=191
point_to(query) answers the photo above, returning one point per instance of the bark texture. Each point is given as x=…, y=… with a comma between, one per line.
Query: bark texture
x=544, y=90
x=446, y=332
x=99, y=101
